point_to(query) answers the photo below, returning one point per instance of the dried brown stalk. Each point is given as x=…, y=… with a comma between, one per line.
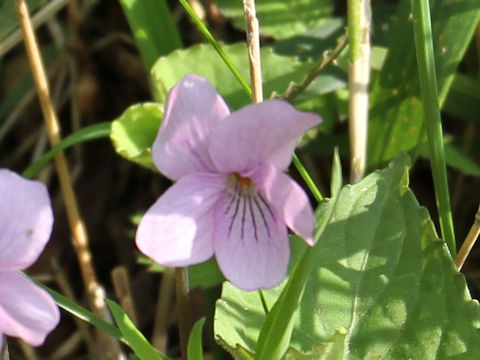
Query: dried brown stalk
x=470, y=240
x=79, y=234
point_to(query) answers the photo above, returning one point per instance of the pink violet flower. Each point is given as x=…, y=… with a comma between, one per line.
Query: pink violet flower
x=26, y=310
x=231, y=197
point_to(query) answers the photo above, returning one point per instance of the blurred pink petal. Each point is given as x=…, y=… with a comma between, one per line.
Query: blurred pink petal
x=192, y=111
x=178, y=229
x=26, y=220
x=26, y=310
x=232, y=198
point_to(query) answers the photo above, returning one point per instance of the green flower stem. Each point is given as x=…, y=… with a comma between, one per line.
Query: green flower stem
x=263, y=301
x=184, y=311
x=307, y=178
x=428, y=86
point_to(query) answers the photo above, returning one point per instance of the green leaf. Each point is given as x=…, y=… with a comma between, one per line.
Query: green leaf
x=396, y=116
x=88, y=133
x=134, y=132
x=205, y=275
x=333, y=349
x=278, y=72
x=195, y=349
x=140, y=346
x=380, y=276
x=281, y=18
x=153, y=28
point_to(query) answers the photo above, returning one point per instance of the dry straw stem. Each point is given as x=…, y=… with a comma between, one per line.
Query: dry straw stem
x=359, y=78
x=469, y=241
x=77, y=227
x=253, y=44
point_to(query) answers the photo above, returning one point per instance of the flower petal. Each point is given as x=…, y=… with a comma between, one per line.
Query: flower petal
x=266, y=132
x=192, y=110
x=177, y=229
x=251, y=245
x=288, y=199
x=26, y=310
x=26, y=220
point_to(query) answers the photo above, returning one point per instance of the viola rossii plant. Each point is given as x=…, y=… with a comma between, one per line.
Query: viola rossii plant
x=26, y=218
x=231, y=197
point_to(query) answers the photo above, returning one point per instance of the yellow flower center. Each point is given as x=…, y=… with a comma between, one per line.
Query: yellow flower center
x=243, y=181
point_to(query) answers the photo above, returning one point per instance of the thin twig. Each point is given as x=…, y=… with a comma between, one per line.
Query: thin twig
x=38, y=19
x=184, y=311
x=470, y=240
x=121, y=285
x=294, y=89
x=77, y=227
x=359, y=77
x=253, y=44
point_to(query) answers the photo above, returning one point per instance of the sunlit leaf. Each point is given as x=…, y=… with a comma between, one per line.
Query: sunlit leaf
x=278, y=72
x=380, y=276
x=281, y=18
x=133, y=133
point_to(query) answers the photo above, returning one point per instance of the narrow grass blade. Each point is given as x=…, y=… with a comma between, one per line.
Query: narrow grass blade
x=135, y=339
x=208, y=35
x=88, y=133
x=431, y=107
x=83, y=314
